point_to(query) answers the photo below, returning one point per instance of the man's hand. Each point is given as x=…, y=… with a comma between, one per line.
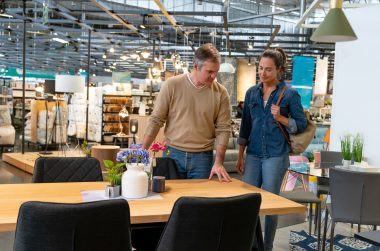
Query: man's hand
x=240, y=166
x=219, y=170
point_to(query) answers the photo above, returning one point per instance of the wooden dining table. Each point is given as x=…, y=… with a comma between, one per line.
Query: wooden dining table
x=142, y=211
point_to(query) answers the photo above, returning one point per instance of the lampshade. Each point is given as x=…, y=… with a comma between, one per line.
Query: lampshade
x=69, y=83
x=334, y=28
x=227, y=68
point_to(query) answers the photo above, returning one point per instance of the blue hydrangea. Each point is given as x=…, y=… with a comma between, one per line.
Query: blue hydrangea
x=133, y=154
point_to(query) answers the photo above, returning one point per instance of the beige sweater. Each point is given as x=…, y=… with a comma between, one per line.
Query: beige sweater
x=193, y=117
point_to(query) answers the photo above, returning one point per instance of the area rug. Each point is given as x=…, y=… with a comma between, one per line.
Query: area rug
x=302, y=241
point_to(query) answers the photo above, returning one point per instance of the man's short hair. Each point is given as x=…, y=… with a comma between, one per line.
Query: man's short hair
x=206, y=52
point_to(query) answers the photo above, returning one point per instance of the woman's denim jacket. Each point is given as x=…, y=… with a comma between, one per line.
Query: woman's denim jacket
x=259, y=131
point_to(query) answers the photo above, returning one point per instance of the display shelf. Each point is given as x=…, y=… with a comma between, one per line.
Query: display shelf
x=112, y=104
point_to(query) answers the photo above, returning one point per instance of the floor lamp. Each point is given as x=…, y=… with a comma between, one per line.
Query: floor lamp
x=68, y=84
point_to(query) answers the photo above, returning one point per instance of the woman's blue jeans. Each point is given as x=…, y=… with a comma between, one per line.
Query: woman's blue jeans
x=192, y=165
x=267, y=173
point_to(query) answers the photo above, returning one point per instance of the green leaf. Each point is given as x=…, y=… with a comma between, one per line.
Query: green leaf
x=108, y=163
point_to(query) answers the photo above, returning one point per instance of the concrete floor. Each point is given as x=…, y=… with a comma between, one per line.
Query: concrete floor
x=10, y=174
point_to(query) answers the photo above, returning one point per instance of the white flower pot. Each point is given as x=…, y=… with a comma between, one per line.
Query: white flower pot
x=346, y=163
x=134, y=183
x=359, y=164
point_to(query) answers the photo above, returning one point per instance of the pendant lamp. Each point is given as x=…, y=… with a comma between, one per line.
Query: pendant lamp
x=335, y=27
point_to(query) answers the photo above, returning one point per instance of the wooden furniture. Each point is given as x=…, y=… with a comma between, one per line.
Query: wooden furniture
x=142, y=211
x=112, y=104
x=102, y=152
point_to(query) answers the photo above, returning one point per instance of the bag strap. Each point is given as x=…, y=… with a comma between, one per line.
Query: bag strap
x=278, y=123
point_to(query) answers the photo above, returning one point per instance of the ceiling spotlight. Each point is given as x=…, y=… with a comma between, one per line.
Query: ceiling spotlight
x=104, y=56
x=60, y=40
x=112, y=50
x=142, y=26
x=2, y=55
x=123, y=57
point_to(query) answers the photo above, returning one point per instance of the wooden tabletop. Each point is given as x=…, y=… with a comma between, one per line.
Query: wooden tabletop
x=142, y=211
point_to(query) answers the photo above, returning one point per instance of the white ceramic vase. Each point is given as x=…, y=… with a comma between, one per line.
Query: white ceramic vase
x=134, y=183
x=346, y=163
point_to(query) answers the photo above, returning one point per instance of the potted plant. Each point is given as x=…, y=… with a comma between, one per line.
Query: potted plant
x=115, y=171
x=345, y=144
x=357, y=149
x=135, y=180
x=86, y=149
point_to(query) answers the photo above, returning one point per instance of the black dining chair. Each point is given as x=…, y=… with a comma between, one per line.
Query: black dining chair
x=212, y=224
x=166, y=167
x=67, y=169
x=100, y=225
x=146, y=236
x=353, y=199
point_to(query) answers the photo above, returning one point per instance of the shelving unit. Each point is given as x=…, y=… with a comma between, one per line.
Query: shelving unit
x=112, y=104
x=30, y=94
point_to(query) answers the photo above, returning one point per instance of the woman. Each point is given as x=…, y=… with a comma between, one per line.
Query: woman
x=267, y=149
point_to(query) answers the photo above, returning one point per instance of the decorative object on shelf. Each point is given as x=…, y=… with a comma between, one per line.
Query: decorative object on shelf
x=133, y=128
x=135, y=180
x=115, y=171
x=357, y=149
x=122, y=114
x=345, y=145
x=335, y=27
x=85, y=148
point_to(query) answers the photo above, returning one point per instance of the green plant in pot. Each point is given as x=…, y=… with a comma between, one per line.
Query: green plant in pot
x=114, y=171
x=357, y=149
x=345, y=145
x=86, y=149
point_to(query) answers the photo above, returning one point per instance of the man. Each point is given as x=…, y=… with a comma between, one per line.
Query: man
x=195, y=109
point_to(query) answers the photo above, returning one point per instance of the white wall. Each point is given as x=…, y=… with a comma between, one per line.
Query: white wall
x=356, y=94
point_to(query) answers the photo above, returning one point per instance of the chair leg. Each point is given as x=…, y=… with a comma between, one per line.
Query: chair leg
x=332, y=235
x=359, y=228
x=374, y=227
x=325, y=230
x=303, y=182
x=310, y=216
x=284, y=181
x=318, y=223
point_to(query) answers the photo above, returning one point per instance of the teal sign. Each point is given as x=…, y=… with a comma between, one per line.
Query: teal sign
x=17, y=72
x=302, y=78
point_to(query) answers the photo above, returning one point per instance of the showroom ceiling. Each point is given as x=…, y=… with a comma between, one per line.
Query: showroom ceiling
x=122, y=31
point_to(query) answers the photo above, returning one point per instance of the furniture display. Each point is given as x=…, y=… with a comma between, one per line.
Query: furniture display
x=82, y=226
x=7, y=131
x=353, y=199
x=77, y=115
x=142, y=211
x=112, y=104
x=30, y=94
x=57, y=121
x=212, y=223
x=67, y=169
x=231, y=155
x=310, y=198
x=104, y=152
x=142, y=121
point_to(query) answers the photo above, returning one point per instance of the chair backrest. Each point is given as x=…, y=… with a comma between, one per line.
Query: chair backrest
x=70, y=169
x=331, y=159
x=166, y=167
x=211, y=224
x=101, y=225
x=354, y=196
